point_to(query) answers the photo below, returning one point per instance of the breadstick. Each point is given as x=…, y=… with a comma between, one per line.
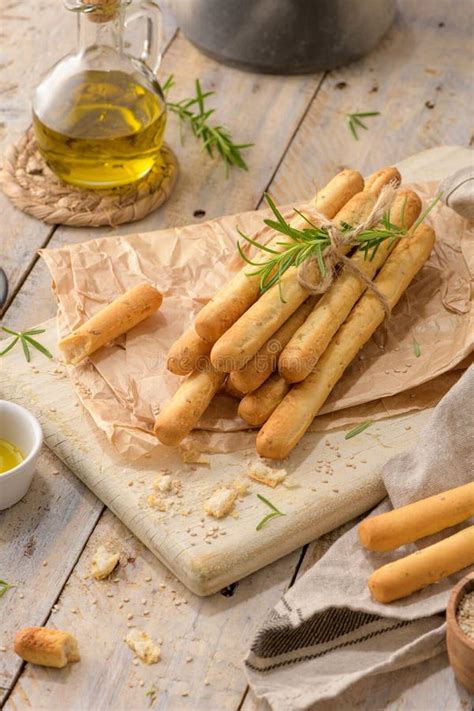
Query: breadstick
x=294, y=414
x=301, y=354
x=425, y=567
x=422, y=518
x=242, y=290
x=265, y=361
x=242, y=340
x=188, y=353
x=188, y=404
x=110, y=322
x=256, y=407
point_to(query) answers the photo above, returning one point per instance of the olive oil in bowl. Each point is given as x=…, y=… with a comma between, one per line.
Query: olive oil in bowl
x=102, y=130
x=10, y=456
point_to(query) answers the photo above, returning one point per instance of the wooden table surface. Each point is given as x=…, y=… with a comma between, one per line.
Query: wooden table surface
x=420, y=79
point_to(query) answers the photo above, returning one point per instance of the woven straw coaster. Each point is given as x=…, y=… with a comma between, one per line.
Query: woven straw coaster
x=32, y=187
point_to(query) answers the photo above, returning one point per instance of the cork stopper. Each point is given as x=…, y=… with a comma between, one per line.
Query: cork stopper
x=103, y=10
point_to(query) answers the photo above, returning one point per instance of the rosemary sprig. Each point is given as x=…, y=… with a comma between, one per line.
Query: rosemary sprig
x=274, y=514
x=214, y=137
x=311, y=241
x=4, y=586
x=358, y=429
x=354, y=121
x=26, y=339
x=416, y=348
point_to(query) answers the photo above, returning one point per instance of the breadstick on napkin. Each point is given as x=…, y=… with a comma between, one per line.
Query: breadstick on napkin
x=422, y=518
x=425, y=567
x=190, y=352
x=125, y=312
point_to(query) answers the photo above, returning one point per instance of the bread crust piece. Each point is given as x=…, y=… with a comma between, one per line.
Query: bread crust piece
x=143, y=646
x=417, y=520
x=118, y=317
x=190, y=352
x=247, y=335
x=290, y=420
x=425, y=567
x=307, y=345
x=46, y=647
x=103, y=563
x=242, y=291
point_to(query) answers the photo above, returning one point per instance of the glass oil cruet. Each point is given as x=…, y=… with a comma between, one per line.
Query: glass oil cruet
x=99, y=114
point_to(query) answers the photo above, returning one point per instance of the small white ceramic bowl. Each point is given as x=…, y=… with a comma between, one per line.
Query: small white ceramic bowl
x=19, y=427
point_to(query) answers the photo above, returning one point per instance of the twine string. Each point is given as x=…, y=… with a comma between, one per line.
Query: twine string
x=309, y=275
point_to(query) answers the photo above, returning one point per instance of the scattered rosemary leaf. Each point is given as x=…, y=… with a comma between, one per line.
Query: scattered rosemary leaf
x=274, y=514
x=416, y=348
x=354, y=121
x=358, y=429
x=152, y=694
x=4, y=586
x=26, y=340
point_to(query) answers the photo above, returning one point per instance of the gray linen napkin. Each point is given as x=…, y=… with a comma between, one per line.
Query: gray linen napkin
x=327, y=633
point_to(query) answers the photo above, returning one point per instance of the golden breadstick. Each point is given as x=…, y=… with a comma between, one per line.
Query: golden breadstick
x=185, y=408
x=110, y=322
x=256, y=407
x=265, y=361
x=46, y=647
x=188, y=353
x=422, y=518
x=242, y=340
x=294, y=414
x=241, y=291
x=301, y=354
x=425, y=567
x=377, y=180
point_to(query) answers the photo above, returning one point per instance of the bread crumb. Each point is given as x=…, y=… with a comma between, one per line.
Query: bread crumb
x=140, y=643
x=103, y=563
x=266, y=475
x=163, y=483
x=157, y=503
x=221, y=502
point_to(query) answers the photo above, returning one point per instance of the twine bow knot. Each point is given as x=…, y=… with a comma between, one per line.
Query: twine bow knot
x=309, y=275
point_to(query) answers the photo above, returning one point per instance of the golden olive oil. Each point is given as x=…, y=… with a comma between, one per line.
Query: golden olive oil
x=103, y=129
x=10, y=456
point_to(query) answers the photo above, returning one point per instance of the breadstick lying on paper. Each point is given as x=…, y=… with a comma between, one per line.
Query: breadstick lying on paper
x=418, y=570
x=118, y=317
x=188, y=353
x=242, y=290
x=188, y=404
x=265, y=361
x=422, y=518
x=288, y=423
x=301, y=354
x=242, y=340
x=257, y=406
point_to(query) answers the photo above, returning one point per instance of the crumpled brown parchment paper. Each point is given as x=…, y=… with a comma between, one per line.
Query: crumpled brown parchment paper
x=124, y=383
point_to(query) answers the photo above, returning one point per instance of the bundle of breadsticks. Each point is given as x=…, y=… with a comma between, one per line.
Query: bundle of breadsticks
x=281, y=352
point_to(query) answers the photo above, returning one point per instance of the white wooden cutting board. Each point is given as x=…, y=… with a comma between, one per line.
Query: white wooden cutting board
x=330, y=479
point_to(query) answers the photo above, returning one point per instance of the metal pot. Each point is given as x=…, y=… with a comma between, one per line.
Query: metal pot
x=284, y=36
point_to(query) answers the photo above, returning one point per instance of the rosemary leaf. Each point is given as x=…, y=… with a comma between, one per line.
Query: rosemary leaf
x=416, y=348
x=358, y=429
x=274, y=513
x=354, y=121
x=4, y=586
x=26, y=339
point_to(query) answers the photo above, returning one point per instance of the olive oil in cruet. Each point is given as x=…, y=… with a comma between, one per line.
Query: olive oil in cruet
x=99, y=116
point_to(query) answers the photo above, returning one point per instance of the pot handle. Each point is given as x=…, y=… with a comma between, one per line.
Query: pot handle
x=149, y=11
